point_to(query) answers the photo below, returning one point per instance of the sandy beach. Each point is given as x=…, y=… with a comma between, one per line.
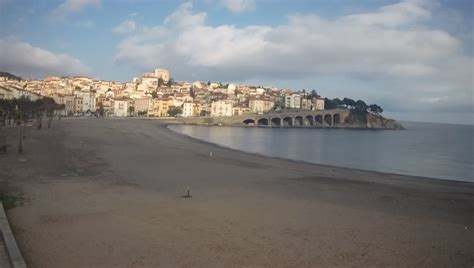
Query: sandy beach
x=109, y=193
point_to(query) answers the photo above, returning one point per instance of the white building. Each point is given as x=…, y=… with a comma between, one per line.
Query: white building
x=88, y=101
x=121, y=107
x=293, y=101
x=148, y=84
x=5, y=93
x=318, y=104
x=188, y=109
x=221, y=108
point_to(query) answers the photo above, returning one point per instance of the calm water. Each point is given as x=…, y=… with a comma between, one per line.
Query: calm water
x=423, y=149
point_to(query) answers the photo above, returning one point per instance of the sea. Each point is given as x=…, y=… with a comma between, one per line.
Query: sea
x=435, y=150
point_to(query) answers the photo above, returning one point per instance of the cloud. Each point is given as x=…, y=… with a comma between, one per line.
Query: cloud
x=72, y=6
x=23, y=59
x=238, y=6
x=127, y=26
x=393, y=50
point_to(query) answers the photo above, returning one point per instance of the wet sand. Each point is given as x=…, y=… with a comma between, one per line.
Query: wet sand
x=109, y=193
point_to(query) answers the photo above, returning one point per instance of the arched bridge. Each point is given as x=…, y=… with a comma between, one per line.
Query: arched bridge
x=325, y=118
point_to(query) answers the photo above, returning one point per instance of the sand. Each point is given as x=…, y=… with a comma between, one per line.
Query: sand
x=109, y=193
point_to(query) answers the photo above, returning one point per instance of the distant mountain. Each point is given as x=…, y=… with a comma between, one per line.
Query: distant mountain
x=9, y=76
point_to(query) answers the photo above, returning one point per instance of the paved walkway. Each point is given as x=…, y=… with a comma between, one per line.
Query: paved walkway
x=4, y=259
x=10, y=255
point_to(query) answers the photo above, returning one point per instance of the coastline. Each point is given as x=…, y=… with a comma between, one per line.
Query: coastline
x=108, y=193
x=381, y=173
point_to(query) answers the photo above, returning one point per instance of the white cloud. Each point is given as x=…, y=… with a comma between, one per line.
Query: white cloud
x=72, y=6
x=238, y=6
x=23, y=59
x=394, y=47
x=127, y=26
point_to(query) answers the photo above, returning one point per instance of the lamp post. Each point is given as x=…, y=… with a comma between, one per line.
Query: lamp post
x=3, y=134
x=20, y=136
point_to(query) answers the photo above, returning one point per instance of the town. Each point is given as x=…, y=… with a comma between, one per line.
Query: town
x=156, y=94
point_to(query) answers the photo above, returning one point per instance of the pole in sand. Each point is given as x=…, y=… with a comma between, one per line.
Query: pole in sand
x=188, y=192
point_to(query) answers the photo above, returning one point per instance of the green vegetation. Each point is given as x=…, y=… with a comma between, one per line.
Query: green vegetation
x=358, y=106
x=10, y=201
x=161, y=82
x=174, y=111
x=25, y=108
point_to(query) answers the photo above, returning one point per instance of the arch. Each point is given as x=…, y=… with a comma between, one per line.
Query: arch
x=328, y=119
x=262, y=122
x=249, y=122
x=287, y=122
x=299, y=121
x=319, y=119
x=336, y=119
x=276, y=122
x=308, y=121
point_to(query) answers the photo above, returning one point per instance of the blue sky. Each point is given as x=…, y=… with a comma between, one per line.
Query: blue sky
x=414, y=57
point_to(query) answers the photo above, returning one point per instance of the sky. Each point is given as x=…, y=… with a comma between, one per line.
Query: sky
x=412, y=57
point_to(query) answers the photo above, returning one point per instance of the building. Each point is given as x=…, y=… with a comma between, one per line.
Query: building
x=240, y=110
x=306, y=104
x=160, y=107
x=221, y=108
x=293, y=101
x=188, y=109
x=163, y=74
x=121, y=106
x=141, y=104
x=148, y=84
x=78, y=104
x=88, y=100
x=5, y=93
x=260, y=105
x=191, y=109
x=318, y=104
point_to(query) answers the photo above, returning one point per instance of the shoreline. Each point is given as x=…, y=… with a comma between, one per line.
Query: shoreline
x=382, y=173
x=108, y=193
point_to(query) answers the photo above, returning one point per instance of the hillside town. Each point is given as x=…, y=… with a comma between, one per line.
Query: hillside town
x=156, y=94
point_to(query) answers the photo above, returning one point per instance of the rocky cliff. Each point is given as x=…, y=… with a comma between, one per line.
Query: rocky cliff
x=368, y=120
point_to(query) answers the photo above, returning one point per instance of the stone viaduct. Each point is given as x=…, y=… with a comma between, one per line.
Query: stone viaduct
x=301, y=118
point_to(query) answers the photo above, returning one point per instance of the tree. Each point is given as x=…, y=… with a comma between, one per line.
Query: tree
x=328, y=104
x=350, y=103
x=154, y=94
x=313, y=94
x=160, y=82
x=174, y=110
x=374, y=108
x=170, y=82
x=361, y=106
x=337, y=102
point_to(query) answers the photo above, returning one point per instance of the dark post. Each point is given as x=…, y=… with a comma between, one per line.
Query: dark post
x=39, y=121
x=3, y=135
x=20, y=136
